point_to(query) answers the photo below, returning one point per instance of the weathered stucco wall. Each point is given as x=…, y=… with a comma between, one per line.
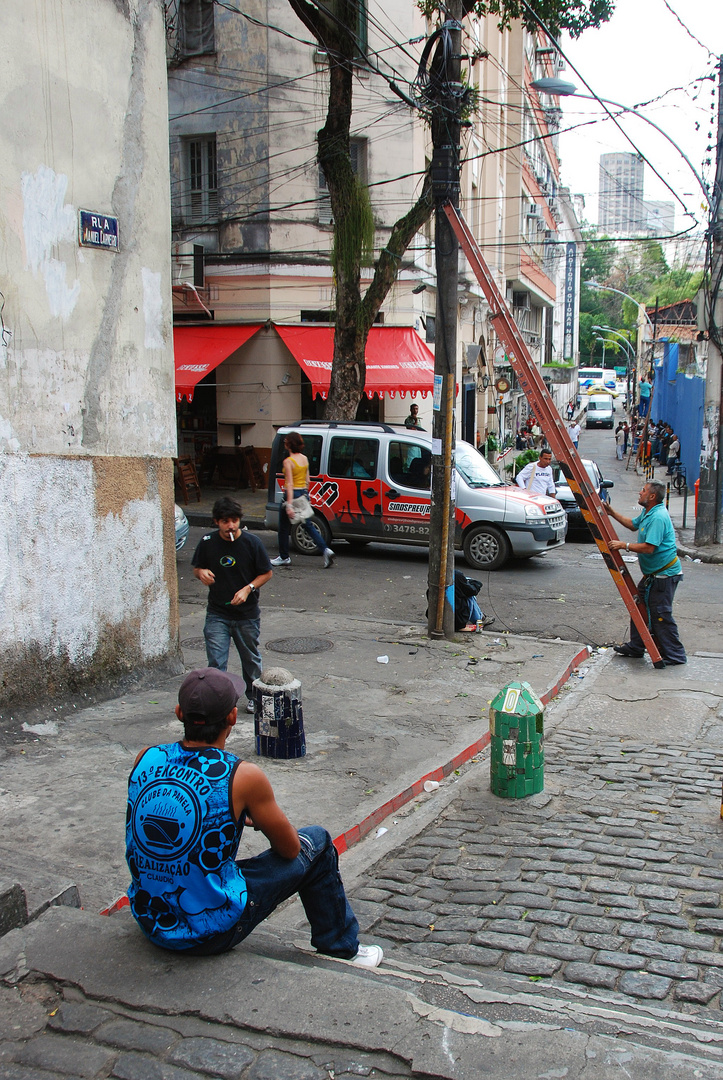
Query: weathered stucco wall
x=87, y=424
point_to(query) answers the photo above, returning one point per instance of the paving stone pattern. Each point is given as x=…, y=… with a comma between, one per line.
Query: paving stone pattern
x=613, y=882
x=83, y=1040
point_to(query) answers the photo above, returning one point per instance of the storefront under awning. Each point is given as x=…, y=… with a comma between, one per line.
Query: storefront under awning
x=397, y=360
x=200, y=349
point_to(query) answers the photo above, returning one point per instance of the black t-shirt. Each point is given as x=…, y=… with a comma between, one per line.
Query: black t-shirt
x=235, y=564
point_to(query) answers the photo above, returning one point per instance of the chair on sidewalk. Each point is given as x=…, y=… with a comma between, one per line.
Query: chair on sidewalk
x=187, y=479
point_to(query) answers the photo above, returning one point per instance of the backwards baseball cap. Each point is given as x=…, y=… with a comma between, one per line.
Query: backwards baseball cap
x=207, y=696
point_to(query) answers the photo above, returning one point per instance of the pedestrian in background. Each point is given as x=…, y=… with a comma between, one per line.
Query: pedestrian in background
x=234, y=565
x=573, y=430
x=536, y=477
x=296, y=484
x=619, y=442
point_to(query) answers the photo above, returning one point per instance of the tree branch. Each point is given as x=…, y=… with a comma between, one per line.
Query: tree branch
x=390, y=257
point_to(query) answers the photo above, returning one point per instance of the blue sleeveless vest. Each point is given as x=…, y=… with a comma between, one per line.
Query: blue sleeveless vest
x=181, y=841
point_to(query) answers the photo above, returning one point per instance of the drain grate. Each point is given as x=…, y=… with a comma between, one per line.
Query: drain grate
x=300, y=645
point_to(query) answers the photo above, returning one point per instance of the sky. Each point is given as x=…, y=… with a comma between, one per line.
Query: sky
x=641, y=53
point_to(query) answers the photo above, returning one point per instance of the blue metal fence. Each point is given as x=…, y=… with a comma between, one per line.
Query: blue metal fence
x=679, y=400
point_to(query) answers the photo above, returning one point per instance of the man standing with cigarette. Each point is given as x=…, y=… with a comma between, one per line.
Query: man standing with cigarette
x=234, y=565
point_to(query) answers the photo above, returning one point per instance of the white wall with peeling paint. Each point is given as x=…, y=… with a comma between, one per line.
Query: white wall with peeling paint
x=86, y=352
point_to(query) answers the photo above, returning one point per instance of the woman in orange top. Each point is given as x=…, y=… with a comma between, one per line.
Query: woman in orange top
x=296, y=482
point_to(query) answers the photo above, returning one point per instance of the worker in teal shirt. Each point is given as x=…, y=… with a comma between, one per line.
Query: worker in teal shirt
x=658, y=557
x=646, y=390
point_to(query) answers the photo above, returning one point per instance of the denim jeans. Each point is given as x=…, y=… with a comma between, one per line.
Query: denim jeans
x=220, y=631
x=285, y=528
x=314, y=875
x=657, y=593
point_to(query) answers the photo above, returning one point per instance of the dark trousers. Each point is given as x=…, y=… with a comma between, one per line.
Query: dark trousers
x=314, y=875
x=285, y=527
x=657, y=594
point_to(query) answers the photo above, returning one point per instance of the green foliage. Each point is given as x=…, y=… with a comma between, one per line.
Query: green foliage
x=675, y=286
x=353, y=244
x=575, y=16
x=492, y=442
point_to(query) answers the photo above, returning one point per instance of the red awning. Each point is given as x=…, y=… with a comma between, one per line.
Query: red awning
x=200, y=349
x=397, y=360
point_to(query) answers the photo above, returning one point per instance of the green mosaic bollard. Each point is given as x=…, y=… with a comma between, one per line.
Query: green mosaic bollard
x=517, y=754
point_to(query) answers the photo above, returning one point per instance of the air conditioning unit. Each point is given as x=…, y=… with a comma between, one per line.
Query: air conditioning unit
x=521, y=300
x=533, y=210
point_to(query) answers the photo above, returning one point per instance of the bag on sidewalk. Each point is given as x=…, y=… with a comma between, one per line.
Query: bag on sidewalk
x=301, y=509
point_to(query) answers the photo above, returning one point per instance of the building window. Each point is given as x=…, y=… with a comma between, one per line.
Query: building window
x=202, y=201
x=195, y=27
x=358, y=154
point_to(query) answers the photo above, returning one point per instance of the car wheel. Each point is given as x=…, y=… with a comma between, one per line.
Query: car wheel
x=486, y=548
x=301, y=540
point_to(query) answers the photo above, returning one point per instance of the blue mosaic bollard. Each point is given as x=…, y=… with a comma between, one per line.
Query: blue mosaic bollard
x=278, y=715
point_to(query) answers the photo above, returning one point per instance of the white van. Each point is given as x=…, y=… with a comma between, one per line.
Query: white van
x=371, y=481
x=600, y=411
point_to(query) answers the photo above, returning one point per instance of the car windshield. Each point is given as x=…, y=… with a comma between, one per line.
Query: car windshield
x=600, y=406
x=476, y=470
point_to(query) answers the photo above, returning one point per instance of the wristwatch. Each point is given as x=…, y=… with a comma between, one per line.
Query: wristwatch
x=252, y=587
x=627, y=547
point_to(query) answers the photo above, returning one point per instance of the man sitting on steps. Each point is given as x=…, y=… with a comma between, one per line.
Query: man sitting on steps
x=188, y=802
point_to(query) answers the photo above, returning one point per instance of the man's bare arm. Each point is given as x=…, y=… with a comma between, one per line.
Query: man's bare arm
x=253, y=793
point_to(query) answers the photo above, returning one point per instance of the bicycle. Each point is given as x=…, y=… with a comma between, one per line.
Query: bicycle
x=678, y=478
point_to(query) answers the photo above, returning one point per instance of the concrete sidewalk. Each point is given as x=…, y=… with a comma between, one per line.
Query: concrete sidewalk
x=521, y=938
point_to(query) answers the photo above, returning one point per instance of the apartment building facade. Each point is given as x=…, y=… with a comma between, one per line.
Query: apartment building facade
x=252, y=228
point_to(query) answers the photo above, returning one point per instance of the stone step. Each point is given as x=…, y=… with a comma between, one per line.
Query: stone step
x=406, y=1018
x=28, y=887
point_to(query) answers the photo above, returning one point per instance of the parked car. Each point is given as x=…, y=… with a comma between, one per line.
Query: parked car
x=600, y=411
x=575, y=520
x=181, y=527
x=371, y=481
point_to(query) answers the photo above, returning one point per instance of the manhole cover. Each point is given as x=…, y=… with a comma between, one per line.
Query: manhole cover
x=297, y=645
x=193, y=643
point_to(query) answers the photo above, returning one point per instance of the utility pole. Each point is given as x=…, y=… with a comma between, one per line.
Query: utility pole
x=445, y=98
x=708, y=523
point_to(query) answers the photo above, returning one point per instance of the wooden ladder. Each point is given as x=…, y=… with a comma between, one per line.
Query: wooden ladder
x=539, y=397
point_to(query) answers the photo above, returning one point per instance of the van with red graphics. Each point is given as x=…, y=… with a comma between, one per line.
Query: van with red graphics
x=371, y=482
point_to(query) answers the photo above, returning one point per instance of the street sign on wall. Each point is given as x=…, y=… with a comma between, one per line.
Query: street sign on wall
x=98, y=230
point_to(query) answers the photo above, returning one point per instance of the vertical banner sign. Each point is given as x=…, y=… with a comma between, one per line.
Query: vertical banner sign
x=570, y=257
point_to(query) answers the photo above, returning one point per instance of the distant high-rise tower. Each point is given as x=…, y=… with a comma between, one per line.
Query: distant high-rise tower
x=621, y=208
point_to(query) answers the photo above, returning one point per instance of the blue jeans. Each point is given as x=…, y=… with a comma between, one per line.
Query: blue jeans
x=644, y=406
x=314, y=875
x=220, y=631
x=657, y=593
x=285, y=527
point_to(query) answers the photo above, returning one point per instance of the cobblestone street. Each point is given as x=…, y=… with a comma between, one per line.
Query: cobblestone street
x=611, y=879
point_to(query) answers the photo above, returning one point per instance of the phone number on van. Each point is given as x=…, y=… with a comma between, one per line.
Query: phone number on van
x=408, y=530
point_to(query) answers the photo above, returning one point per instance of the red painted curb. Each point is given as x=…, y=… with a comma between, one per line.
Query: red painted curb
x=555, y=689
x=352, y=836
x=356, y=833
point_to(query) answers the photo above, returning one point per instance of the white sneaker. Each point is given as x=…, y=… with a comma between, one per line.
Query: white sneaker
x=329, y=557
x=250, y=705
x=369, y=956
x=280, y=561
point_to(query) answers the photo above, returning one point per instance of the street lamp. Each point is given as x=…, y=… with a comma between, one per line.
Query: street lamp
x=630, y=352
x=623, y=340
x=560, y=88
x=609, y=288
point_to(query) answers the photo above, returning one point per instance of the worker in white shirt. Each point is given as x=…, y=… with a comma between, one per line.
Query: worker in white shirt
x=537, y=477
